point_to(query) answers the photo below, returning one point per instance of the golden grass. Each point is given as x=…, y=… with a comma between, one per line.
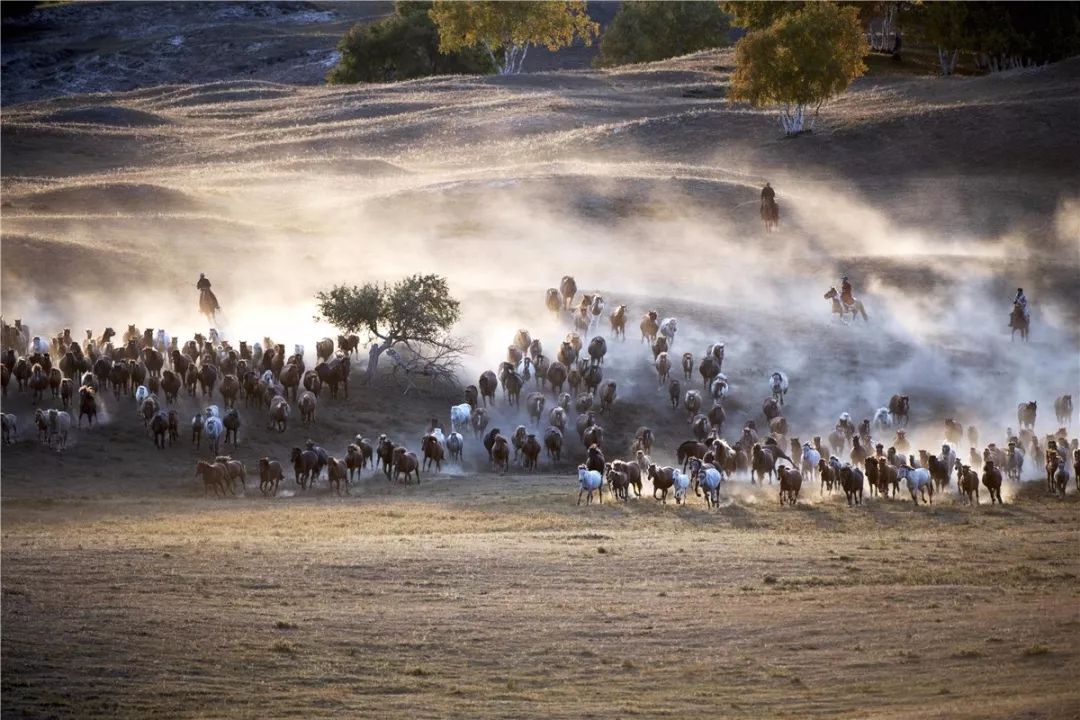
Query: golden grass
x=510, y=600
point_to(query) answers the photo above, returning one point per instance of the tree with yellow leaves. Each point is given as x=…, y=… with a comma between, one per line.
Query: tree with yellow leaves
x=800, y=61
x=508, y=29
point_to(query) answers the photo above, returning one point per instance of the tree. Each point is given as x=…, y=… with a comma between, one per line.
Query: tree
x=759, y=14
x=417, y=312
x=800, y=61
x=402, y=46
x=653, y=30
x=506, y=30
x=944, y=24
x=1001, y=35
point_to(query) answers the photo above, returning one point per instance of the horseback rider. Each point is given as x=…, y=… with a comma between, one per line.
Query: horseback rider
x=1020, y=302
x=846, y=295
x=768, y=194
x=208, y=302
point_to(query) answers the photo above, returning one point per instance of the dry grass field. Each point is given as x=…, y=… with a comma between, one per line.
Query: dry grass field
x=128, y=594
x=495, y=596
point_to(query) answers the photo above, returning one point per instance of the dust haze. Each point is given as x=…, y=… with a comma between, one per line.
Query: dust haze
x=272, y=218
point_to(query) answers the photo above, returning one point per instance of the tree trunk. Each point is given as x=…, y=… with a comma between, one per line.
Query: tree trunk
x=791, y=119
x=374, y=353
x=947, y=61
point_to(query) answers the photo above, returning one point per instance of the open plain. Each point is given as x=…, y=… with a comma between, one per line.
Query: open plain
x=127, y=593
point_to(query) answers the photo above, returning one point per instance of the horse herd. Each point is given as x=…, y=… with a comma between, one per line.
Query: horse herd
x=155, y=369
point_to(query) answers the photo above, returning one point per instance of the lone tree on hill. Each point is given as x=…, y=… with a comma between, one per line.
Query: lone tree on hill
x=416, y=312
x=799, y=62
x=509, y=28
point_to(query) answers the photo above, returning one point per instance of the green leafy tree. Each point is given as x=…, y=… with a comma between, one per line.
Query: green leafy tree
x=945, y=25
x=653, y=30
x=759, y=14
x=506, y=30
x=417, y=312
x=1001, y=35
x=402, y=46
x=799, y=62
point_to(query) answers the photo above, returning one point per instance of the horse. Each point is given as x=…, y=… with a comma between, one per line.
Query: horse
x=839, y=308
x=208, y=303
x=770, y=214
x=1019, y=320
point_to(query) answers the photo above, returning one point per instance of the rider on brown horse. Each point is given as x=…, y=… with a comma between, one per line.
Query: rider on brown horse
x=1020, y=303
x=208, y=302
x=846, y=295
x=768, y=194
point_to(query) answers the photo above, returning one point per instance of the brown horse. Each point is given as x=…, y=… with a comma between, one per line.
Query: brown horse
x=1018, y=320
x=208, y=303
x=770, y=214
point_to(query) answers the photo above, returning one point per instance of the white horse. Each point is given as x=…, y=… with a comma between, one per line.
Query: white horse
x=39, y=345
x=59, y=425
x=141, y=393
x=882, y=419
x=460, y=415
x=778, y=385
x=948, y=456
x=719, y=387
x=668, y=328
x=844, y=310
x=213, y=411
x=680, y=484
x=590, y=481
x=710, y=479
x=918, y=483
x=214, y=429
x=810, y=459
x=162, y=342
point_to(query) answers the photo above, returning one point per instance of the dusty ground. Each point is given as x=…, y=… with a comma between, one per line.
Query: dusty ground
x=497, y=597
x=473, y=595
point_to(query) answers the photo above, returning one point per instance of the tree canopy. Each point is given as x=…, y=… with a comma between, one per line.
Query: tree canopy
x=506, y=30
x=402, y=46
x=653, y=30
x=800, y=61
x=417, y=310
x=999, y=34
x=759, y=14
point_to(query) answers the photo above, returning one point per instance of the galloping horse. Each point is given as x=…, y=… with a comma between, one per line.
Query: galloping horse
x=770, y=214
x=841, y=309
x=208, y=303
x=1019, y=320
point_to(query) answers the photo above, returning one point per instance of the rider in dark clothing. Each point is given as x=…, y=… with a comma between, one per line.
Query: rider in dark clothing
x=767, y=193
x=846, y=294
x=208, y=302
